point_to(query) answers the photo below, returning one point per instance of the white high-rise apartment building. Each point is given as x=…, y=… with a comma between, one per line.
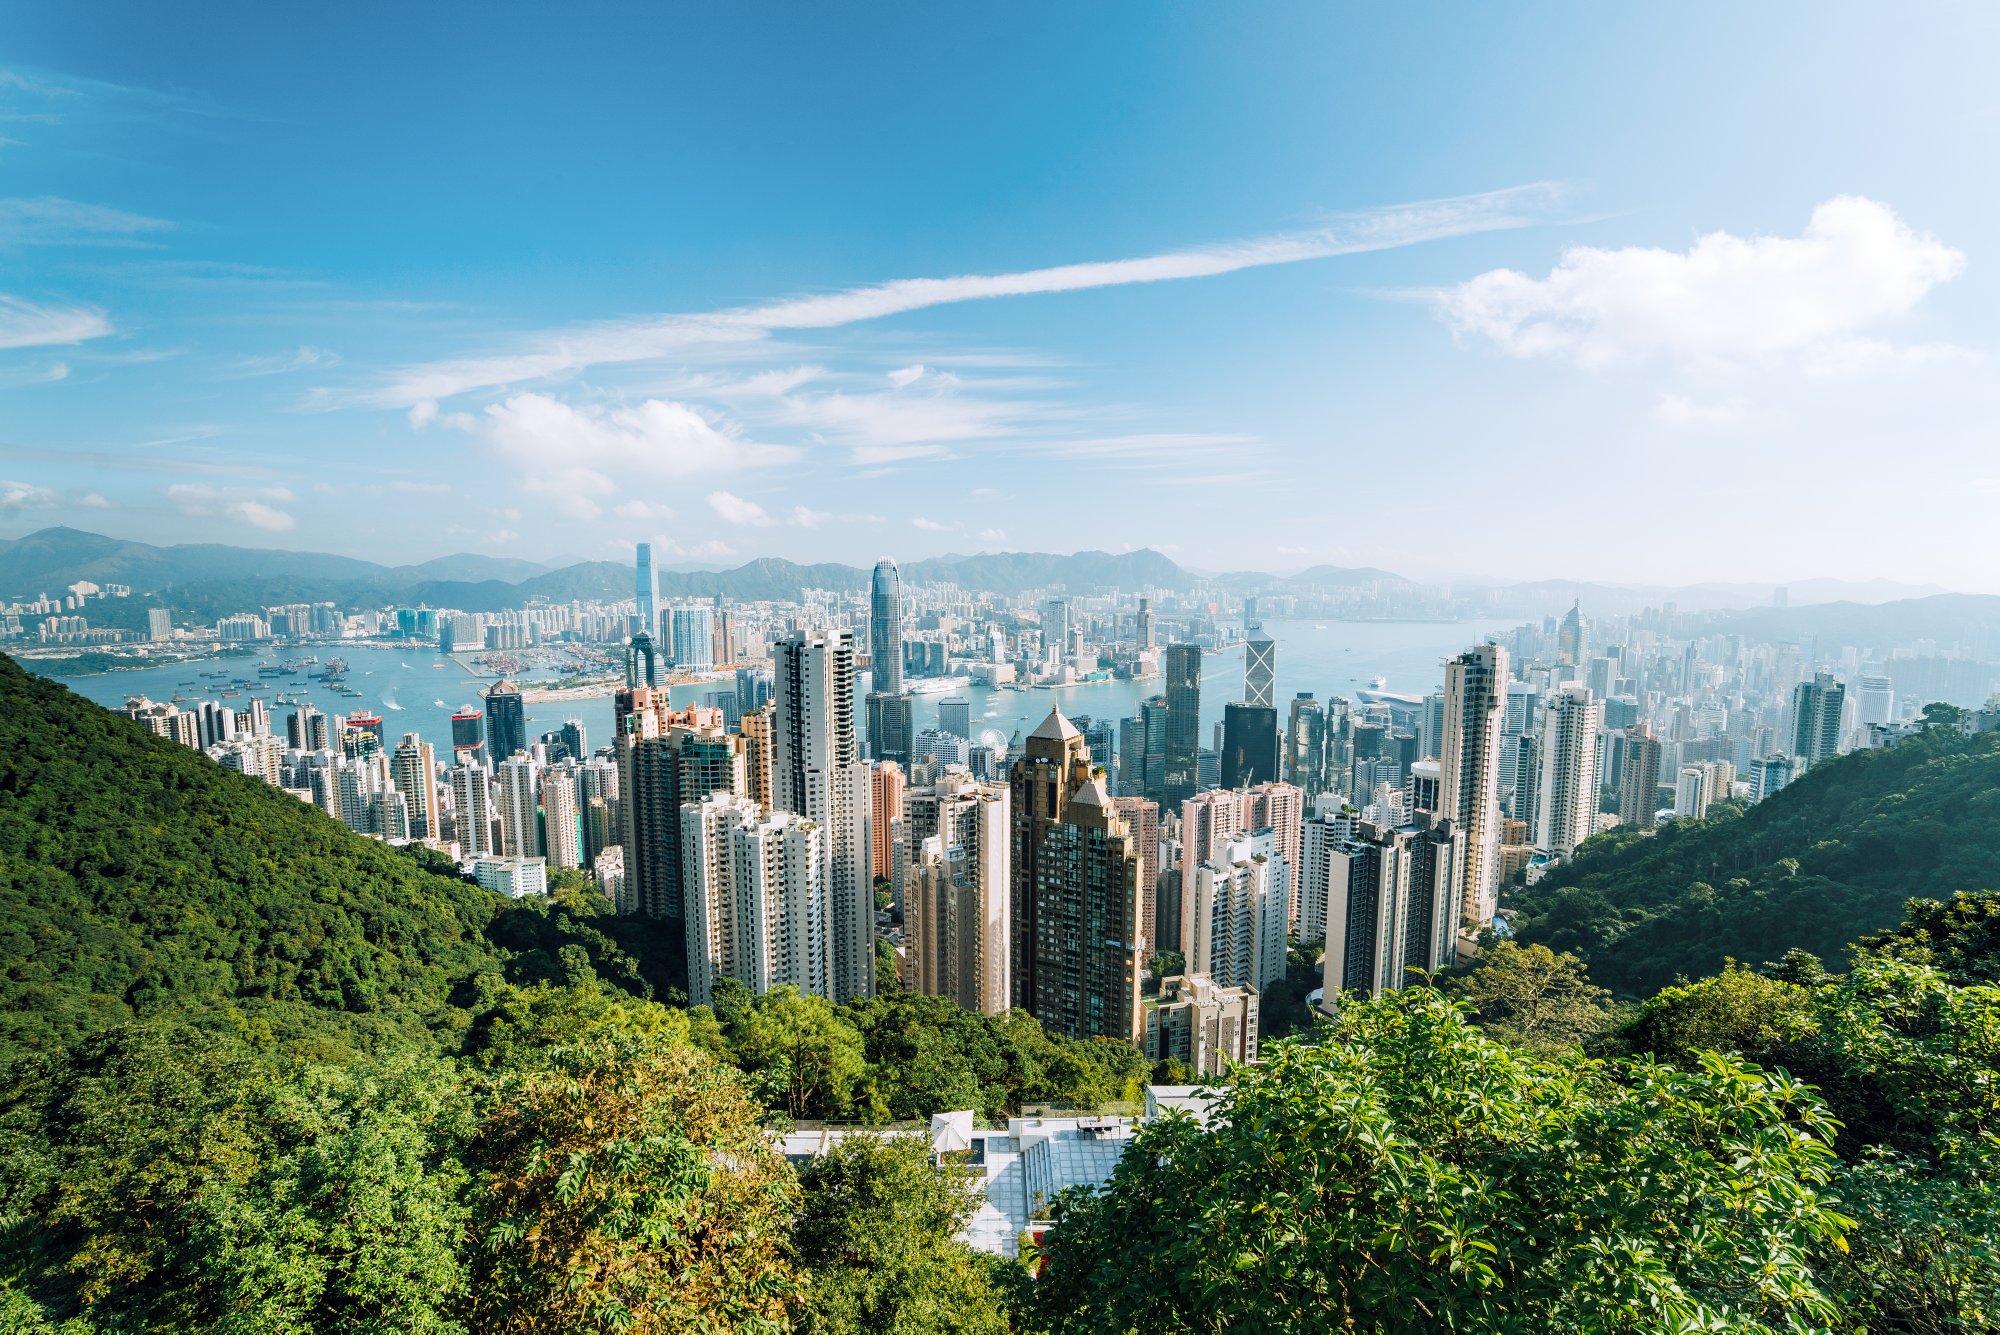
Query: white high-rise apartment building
x=1469, y=772
x=414, y=769
x=755, y=903
x=517, y=796
x=817, y=772
x=1236, y=931
x=1566, y=813
x=955, y=899
x=1330, y=827
x=1691, y=793
x=472, y=803
x=562, y=816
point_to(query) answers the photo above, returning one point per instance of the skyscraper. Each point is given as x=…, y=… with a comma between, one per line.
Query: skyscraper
x=646, y=592
x=885, y=806
x=1474, y=683
x=1570, y=642
x=955, y=716
x=1076, y=916
x=1639, y=784
x=891, y=727
x=956, y=901
x=817, y=772
x=885, y=628
x=562, y=816
x=1260, y=663
x=506, y=722
x=518, y=796
x=1237, y=926
x=413, y=768
x=468, y=746
x=1180, y=774
x=1566, y=812
x=1249, y=745
x=1142, y=817
x=756, y=903
x=693, y=638
x=1876, y=700
x=1691, y=795
x=1816, y=711
x=472, y=810
x=667, y=759
x=1391, y=905
x=1305, y=746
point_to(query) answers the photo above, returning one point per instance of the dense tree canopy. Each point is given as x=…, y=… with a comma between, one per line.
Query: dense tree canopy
x=1825, y=861
x=1407, y=1173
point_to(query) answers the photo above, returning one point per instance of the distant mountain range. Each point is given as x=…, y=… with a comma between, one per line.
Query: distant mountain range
x=205, y=579
x=50, y=560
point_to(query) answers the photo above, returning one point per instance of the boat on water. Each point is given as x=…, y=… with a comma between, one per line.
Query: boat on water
x=438, y=703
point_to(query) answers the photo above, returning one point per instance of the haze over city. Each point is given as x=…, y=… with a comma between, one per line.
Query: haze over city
x=1649, y=296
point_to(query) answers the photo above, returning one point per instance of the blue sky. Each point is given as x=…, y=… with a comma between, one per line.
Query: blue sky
x=1638, y=293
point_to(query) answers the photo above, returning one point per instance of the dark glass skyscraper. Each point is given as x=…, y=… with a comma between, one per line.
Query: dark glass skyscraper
x=1180, y=776
x=1249, y=745
x=506, y=722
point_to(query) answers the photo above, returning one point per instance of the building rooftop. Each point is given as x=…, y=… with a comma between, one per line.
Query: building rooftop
x=1055, y=728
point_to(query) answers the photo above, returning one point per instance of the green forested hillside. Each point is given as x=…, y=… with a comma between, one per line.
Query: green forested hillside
x=1830, y=859
x=137, y=876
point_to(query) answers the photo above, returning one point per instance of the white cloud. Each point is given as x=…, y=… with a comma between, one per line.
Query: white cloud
x=646, y=339
x=91, y=500
x=1727, y=301
x=500, y=537
x=804, y=516
x=906, y=377
x=736, y=510
x=247, y=505
x=577, y=456
x=930, y=525
x=652, y=510
x=305, y=357
x=26, y=496
x=49, y=221
x=992, y=535
x=1679, y=409
x=24, y=324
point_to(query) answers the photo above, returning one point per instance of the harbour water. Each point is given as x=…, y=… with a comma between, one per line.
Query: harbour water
x=416, y=689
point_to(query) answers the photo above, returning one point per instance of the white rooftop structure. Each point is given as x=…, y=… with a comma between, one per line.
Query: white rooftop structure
x=1023, y=1168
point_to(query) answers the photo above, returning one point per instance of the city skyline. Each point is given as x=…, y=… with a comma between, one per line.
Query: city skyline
x=1263, y=256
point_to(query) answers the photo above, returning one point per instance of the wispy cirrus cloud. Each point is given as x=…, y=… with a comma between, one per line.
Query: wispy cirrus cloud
x=579, y=348
x=53, y=221
x=28, y=324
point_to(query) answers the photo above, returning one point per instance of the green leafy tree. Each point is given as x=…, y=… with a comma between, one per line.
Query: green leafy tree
x=626, y=1185
x=1534, y=998
x=801, y=1051
x=1739, y=1011
x=1410, y=1174
x=877, y=1235
x=353, y=1217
